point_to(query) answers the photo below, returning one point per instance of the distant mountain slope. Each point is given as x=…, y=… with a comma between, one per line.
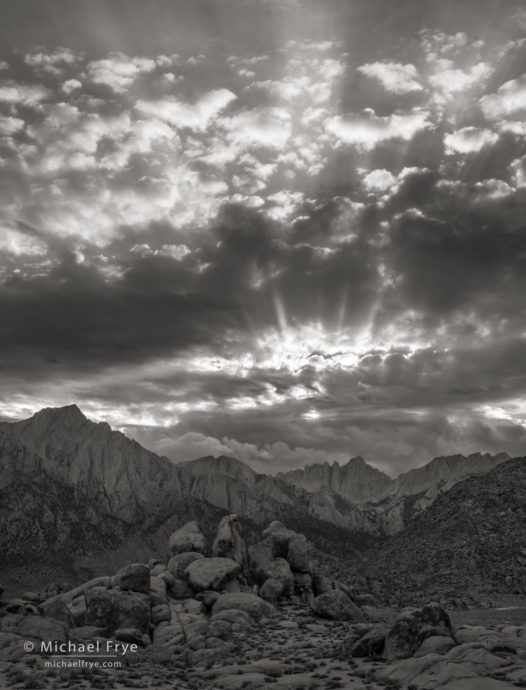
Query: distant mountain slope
x=125, y=479
x=75, y=494
x=359, y=482
x=356, y=481
x=379, y=504
x=444, y=471
x=471, y=539
x=235, y=487
x=75, y=497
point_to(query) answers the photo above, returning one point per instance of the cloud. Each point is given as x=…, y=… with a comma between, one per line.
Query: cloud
x=378, y=180
x=508, y=102
x=53, y=62
x=194, y=116
x=18, y=243
x=450, y=80
x=171, y=251
x=10, y=125
x=272, y=457
x=23, y=94
x=118, y=71
x=518, y=168
x=393, y=76
x=469, y=140
x=365, y=130
x=71, y=85
x=268, y=127
x=308, y=251
x=191, y=446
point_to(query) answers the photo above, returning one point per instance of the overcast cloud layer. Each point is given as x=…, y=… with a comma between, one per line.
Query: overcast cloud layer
x=286, y=231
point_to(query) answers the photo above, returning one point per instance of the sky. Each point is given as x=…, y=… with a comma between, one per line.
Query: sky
x=289, y=231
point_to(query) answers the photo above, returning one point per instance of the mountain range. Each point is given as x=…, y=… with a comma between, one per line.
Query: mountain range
x=76, y=496
x=471, y=539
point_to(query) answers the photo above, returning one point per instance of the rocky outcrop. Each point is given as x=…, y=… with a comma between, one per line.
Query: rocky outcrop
x=251, y=604
x=412, y=627
x=298, y=554
x=134, y=577
x=189, y=606
x=113, y=609
x=278, y=570
x=178, y=564
x=187, y=538
x=229, y=541
x=280, y=564
x=211, y=573
x=336, y=605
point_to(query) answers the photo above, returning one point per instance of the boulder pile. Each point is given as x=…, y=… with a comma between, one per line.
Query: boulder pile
x=214, y=606
x=281, y=570
x=189, y=605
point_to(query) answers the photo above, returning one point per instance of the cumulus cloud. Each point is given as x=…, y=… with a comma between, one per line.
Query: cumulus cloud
x=518, y=168
x=450, y=80
x=508, y=102
x=181, y=114
x=23, y=94
x=393, y=76
x=366, y=129
x=378, y=180
x=118, y=71
x=469, y=140
x=269, y=127
x=53, y=61
x=10, y=125
x=71, y=85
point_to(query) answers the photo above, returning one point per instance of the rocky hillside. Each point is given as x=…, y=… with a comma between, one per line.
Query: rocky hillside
x=472, y=539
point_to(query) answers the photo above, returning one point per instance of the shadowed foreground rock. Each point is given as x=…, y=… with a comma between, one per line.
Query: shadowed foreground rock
x=202, y=621
x=412, y=627
x=188, y=538
x=337, y=606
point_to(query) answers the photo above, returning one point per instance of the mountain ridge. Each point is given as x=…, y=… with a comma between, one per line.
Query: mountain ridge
x=118, y=482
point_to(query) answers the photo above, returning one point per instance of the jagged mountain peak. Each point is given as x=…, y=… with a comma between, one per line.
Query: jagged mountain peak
x=357, y=463
x=65, y=426
x=65, y=414
x=357, y=460
x=104, y=465
x=356, y=480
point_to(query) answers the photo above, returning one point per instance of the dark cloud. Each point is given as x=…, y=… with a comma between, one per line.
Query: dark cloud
x=77, y=318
